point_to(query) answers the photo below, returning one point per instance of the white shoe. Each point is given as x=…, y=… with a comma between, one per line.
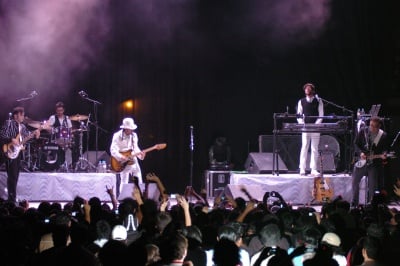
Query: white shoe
x=315, y=173
x=302, y=172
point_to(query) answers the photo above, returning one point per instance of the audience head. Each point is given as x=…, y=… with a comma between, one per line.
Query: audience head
x=270, y=235
x=119, y=233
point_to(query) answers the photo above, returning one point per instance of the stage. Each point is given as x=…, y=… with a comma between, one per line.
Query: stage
x=64, y=187
x=295, y=189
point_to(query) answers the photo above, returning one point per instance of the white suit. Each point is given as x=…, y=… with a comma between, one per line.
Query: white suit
x=122, y=142
x=309, y=138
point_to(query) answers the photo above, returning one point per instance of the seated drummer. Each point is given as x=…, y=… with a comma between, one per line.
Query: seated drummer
x=59, y=118
x=59, y=121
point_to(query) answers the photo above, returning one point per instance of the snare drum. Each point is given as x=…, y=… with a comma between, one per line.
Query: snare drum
x=63, y=137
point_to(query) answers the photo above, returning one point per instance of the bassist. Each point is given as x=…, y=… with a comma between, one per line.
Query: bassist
x=370, y=142
x=125, y=140
x=12, y=134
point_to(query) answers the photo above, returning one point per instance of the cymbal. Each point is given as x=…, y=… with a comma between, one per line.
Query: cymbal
x=78, y=117
x=39, y=124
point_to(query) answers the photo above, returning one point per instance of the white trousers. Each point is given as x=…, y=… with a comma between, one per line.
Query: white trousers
x=306, y=140
x=133, y=169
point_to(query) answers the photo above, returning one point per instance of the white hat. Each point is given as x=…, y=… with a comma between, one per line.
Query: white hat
x=331, y=239
x=119, y=232
x=128, y=123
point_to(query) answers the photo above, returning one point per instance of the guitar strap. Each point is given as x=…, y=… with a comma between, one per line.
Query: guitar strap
x=19, y=132
x=378, y=137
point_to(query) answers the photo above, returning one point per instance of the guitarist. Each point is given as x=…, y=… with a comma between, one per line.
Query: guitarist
x=125, y=140
x=370, y=141
x=13, y=132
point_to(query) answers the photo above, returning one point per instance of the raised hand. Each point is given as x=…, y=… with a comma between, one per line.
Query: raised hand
x=152, y=177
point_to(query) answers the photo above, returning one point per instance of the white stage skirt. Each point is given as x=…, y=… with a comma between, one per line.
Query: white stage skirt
x=40, y=186
x=295, y=189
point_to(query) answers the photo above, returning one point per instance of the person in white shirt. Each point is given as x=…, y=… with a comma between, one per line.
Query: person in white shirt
x=232, y=233
x=309, y=108
x=125, y=149
x=62, y=136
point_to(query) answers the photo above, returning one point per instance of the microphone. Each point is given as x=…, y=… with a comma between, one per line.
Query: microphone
x=33, y=94
x=9, y=116
x=191, y=138
x=83, y=94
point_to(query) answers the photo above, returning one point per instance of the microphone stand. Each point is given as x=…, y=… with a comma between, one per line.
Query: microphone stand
x=395, y=139
x=191, y=147
x=351, y=112
x=31, y=96
x=95, y=122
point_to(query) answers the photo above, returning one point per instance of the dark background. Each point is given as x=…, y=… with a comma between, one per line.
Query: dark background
x=226, y=73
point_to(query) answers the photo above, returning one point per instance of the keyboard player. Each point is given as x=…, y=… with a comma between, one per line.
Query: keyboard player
x=309, y=108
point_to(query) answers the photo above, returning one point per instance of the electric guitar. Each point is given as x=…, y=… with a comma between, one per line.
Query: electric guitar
x=360, y=163
x=322, y=192
x=12, y=150
x=119, y=166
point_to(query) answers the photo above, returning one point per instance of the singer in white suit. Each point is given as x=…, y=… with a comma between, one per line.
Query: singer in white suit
x=124, y=140
x=308, y=106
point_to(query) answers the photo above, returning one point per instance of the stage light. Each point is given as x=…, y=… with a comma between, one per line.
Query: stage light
x=128, y=104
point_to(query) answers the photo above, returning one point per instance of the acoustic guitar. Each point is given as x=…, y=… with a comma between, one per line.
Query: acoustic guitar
x=119, y=166
x=323, y=192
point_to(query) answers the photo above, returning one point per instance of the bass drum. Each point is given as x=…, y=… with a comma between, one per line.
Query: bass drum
x=51, y=157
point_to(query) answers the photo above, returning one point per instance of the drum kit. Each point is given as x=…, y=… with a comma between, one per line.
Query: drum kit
x=53, y=150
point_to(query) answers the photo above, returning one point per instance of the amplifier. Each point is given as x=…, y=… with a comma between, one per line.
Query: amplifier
x=216, y=181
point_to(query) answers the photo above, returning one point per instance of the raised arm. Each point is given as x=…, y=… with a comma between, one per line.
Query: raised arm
x=110, y=192
x=185, y=206
x=151, y=177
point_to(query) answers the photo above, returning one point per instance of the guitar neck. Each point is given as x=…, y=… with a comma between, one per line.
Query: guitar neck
x=375, y=156
x=145, y=150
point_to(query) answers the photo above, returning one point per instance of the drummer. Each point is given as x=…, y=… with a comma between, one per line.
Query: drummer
x=59, y=119
x=62, y=128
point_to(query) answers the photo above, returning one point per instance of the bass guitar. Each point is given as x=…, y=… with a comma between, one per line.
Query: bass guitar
x=360, y=163
x=12, y=150
x=119, y=166
x=323, y=192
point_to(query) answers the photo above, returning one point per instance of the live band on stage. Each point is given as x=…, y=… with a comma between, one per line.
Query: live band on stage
x=63, y=138
x=59, y=148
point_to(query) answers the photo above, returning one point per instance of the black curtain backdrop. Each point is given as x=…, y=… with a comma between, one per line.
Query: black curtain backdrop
x=226, y=75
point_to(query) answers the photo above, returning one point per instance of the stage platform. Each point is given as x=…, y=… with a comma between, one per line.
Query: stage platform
x=295, y=189
x=64, y=187
x=59, y=187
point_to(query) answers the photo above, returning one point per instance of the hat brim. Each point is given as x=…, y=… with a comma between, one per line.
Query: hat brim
x=131, y=128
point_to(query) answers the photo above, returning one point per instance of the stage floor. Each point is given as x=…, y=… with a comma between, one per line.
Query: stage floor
x=43, y=186
x=294, y=188
x=64, y=187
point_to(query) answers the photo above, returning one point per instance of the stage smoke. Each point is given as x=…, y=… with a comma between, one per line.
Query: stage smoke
x=44, y=44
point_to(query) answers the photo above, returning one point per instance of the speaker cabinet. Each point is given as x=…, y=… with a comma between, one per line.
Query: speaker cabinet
x=216, y=181
x=328, y=162
x=289, y=146
x=262, y=163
